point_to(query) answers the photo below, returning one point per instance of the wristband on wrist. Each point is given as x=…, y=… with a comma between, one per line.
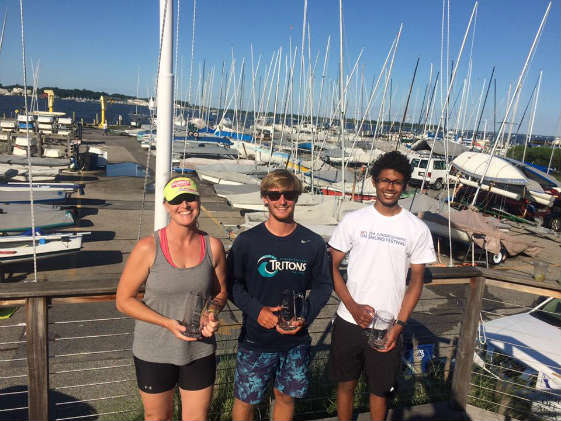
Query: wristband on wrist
x=400, y=323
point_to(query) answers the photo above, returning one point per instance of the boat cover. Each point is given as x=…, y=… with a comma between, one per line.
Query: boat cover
x=17, y=218
x=500, y=170
x=485, y=231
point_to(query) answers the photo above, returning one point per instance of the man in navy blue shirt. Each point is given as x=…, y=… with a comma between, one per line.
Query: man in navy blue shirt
x=276, y=256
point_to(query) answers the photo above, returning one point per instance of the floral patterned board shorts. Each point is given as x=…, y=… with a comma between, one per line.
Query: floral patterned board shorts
x=255, y=369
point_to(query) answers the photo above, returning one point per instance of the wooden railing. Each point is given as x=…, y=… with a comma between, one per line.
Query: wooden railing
x=36, y=296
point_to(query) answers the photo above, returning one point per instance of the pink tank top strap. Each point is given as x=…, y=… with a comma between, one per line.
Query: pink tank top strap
x=165, y=248
x=203, y=248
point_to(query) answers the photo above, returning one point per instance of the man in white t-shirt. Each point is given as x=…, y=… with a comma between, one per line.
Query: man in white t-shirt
x=383, y=242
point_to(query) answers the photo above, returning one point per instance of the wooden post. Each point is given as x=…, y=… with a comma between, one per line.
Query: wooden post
x=466, y=344
x=37, y=358
x=448, y=355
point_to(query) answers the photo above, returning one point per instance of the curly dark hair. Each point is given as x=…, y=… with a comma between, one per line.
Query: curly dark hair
x=393, y=160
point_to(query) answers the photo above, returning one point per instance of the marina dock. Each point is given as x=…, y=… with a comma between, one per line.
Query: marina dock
x=110, y=209
x=113, y=208
x=79, y=345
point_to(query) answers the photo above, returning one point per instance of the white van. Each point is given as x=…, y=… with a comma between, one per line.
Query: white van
x=436, y=175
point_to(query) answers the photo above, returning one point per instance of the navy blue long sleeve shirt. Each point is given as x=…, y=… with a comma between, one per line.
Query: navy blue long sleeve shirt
x=261, y=266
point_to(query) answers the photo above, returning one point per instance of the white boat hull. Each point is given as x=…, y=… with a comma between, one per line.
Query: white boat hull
x=19, y=248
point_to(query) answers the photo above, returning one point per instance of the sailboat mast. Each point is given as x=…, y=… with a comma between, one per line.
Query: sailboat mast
x=3, y=28
x=406, y=105
x=165, y=111
x=137, y=84
x=529, y=136
x=192, y=54
x=518, y=84
x=341, y=100
x=474, y=135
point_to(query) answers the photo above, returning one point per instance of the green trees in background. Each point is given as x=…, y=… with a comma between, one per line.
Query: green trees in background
x=539, y=155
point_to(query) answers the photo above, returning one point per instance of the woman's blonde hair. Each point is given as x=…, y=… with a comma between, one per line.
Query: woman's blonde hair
x=281, y=179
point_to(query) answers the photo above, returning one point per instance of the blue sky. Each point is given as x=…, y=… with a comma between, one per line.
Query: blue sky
x=104, y=45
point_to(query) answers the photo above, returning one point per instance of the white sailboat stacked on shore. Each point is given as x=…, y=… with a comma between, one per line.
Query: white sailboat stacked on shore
x=19, y=248
x=42, y=169
x=502, y=178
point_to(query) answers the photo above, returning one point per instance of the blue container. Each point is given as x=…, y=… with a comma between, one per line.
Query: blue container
x=423, y=353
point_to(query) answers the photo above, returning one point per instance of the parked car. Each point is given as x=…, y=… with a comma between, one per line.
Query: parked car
x=435, y=173
x=531, y=344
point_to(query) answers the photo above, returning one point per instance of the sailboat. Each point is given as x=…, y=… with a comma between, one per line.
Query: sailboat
x=19, y=248
x=503, y=178
x=16, y=217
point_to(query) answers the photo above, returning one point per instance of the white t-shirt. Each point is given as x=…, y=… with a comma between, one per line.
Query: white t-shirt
x=381, y=248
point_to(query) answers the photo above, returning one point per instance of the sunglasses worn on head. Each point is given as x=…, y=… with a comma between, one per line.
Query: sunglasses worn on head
x=276, y=195
x=186, y=197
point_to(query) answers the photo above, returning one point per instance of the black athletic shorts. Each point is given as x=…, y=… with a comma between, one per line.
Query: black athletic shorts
x=350, y=355
x=159, y=377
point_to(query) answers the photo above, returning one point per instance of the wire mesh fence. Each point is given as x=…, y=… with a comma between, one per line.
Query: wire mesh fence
x=91, y=374
x=517, y=370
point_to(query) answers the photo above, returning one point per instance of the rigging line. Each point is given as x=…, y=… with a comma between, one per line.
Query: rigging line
x=3, y=27
x=447, y=99
x=192, y=52
x=517, y=103
x=448, y=82
x=431, y=103
x=146, y=171
x=442, y=54
x=151, y=136
x=380, y=113
x=176, y=79
x=278, y=64
x=341, y=101
x=474, y=136
x=529, y=136
x=302, y=67
x=288, y=93
x=406, y=105
x=29, y=166
x=551, y=156
x=526, y=108
x=454, y=72
x=518, y=84
x=161, y=44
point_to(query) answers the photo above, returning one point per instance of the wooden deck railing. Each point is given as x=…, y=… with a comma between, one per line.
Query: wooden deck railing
x=36, y=296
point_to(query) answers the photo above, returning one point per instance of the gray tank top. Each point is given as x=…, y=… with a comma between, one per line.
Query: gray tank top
x=165, y=292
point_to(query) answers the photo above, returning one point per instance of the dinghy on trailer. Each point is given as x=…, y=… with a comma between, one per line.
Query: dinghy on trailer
x=50, y=187
x=17, y=217
x=202, y=149
x=41, y=196
x=19, y=248
x=41, y=168
x=233, y=175
x=223, y=190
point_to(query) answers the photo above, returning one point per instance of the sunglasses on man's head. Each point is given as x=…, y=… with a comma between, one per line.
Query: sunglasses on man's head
x=276, y=195
x=186, y=197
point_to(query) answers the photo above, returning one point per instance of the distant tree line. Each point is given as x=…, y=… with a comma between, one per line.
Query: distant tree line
x=75, y=93
x=539, y=155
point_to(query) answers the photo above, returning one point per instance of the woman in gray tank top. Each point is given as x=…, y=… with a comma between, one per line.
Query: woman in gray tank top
x=176, y=263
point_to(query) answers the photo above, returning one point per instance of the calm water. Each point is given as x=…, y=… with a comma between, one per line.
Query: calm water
x=85, y=110
x=88, y=111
